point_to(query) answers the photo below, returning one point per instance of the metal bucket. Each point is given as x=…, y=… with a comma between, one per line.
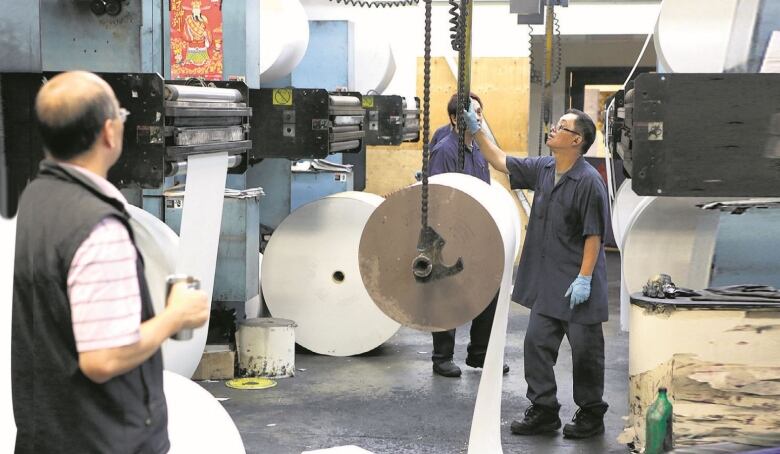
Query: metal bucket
x=266, y=347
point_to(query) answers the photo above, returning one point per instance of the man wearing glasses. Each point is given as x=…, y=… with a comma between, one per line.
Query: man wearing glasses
x=562, y=273
x=86, y=367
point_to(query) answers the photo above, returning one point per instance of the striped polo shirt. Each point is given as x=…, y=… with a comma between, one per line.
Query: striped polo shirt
x=103, y=289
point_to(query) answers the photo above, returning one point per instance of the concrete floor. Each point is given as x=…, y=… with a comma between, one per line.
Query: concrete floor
x=389, y=401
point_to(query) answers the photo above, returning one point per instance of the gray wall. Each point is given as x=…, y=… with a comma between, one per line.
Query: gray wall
x=581, y=51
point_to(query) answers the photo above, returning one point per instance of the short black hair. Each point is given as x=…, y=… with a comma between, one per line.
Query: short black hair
x=69, y=134
x=452, y=105
x=585, y=126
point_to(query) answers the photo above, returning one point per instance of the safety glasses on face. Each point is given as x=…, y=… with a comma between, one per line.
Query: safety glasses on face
x=560, y=127
x=123, y=114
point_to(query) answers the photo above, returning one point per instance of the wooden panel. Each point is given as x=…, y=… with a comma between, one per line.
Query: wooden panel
x=503, y=85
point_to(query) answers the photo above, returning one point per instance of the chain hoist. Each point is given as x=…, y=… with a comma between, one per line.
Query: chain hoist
x=428, y=263
x=460, y=37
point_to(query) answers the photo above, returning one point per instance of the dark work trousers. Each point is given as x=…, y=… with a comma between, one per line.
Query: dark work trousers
x=444, y=341
x=542, y=341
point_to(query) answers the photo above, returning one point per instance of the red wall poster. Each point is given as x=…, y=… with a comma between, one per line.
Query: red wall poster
x=196, y=39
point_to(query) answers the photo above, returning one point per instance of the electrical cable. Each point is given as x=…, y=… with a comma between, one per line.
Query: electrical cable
x=378, y=3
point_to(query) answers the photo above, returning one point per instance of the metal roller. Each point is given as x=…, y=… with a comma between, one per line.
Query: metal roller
x=347, y=120
x=344, y=136
x=342, y=146
x=345, y=101
x=176, y=168
x=340, y=129
x=202, y=94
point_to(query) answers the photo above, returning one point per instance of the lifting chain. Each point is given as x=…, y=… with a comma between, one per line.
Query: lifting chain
x=460, y=37
x=428, y=263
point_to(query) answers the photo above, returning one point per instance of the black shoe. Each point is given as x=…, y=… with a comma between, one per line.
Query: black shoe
x=537, y=420
x=480, y=363
x=585, y=424
x=446, y=369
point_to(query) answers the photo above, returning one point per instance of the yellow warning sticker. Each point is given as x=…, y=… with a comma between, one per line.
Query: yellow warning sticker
x=283, y=97
x=368, y=102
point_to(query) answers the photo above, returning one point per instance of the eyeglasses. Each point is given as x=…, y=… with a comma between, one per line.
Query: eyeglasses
x=562, y=128
x=123, y=114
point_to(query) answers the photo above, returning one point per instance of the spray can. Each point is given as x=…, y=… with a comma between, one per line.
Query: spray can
x=192, y=283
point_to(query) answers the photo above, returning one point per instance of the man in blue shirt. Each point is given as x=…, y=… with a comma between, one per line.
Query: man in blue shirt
x=562, y=273
x=444, y=159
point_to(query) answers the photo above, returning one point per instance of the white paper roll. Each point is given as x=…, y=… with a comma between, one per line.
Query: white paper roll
x=311, y=276
x=684, y=45
x=374, y=64
x=472, y=217
x=197, y=422
x=485, y=436
x=284, y=37
x=670, y=235
x=627, y=202
x=7, y=245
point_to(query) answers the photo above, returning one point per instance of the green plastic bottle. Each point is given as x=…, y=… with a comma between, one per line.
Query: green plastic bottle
x=658, y=425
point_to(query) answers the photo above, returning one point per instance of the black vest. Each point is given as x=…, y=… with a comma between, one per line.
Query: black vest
x=56, y=407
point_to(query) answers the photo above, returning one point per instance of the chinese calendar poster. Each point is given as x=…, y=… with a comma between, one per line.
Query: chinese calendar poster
x=196, y=39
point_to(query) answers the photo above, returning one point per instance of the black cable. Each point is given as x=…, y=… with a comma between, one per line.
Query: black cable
x=378, y=3
x=558, y=48
x=454, y=24
x=536, y=77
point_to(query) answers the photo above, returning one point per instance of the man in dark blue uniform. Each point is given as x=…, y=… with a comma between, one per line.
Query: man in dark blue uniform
x=444, y=159
x=562, y=273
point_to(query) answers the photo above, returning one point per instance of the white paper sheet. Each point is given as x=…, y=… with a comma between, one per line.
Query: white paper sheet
x=485, y=437
x=199, y=234
x=7, y=246
x=771, y=62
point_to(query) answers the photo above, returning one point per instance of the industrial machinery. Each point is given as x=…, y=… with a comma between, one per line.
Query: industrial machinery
x=302, y=123
x=682, y=134
x=168, y=121
x=390, y=120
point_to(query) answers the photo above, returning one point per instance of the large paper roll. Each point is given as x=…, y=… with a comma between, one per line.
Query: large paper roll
x=310, y=275
x=627, y=202
x=7, y=245
x=284, y=37
x=480, y=224
x=197, y=422
x=670, y=235
x=375, y=64
x=684, y=45
x=389, y=246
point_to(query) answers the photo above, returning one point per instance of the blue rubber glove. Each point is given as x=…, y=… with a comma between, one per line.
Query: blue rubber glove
x=579, y=291
x=471, y=120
